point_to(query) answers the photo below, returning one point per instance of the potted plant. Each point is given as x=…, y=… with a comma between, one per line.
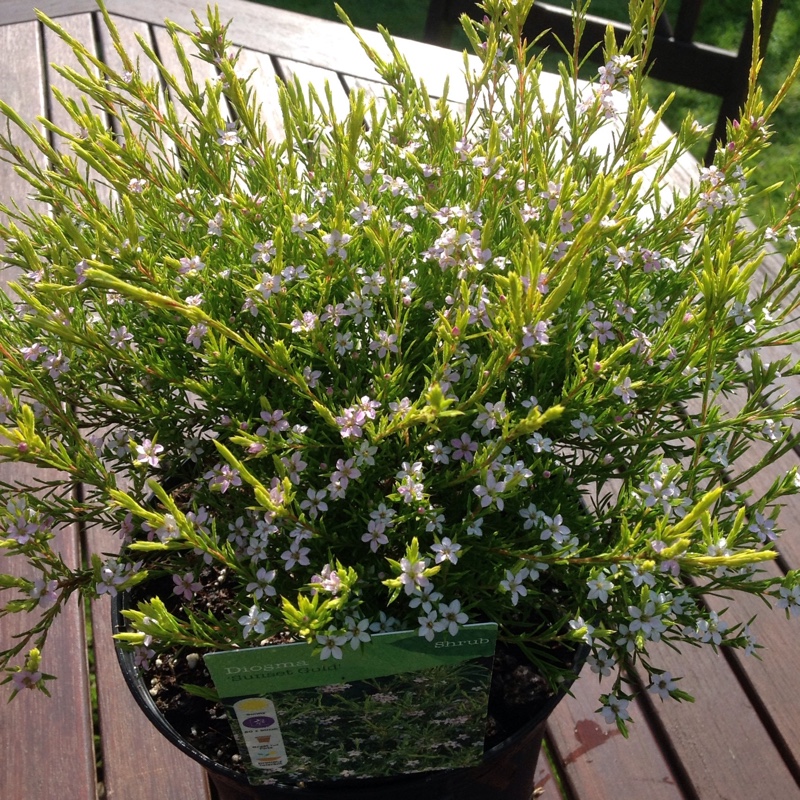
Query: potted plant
x=407, y=370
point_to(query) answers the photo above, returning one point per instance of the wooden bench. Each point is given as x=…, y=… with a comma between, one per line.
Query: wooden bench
x=740, y=741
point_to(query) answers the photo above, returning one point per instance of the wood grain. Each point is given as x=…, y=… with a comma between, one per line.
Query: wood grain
x=727, y=761
x=598, y=763
x=37, y=730
x=129, y=739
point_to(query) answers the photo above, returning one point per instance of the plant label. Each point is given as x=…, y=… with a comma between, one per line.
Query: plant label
x=401, y=703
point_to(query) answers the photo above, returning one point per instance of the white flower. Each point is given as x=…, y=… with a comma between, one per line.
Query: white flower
x=137, y=185
x=214, y=227
x=743, y=316
x=520, y=471
x=624, y=391
x=513, y=583
x=490, y=492
x=168, y=529
x=301, y=225
x=343, y=342
x=771, y=430
x=554, y=527
x=362, y=213
x=295, y=555
x=450, y=617
x=336, y=242
x=440, y=453
x=599, y=588
x=618, y=257
x=763, y=527
x=331, y=644
x=56, y=364
x=364, y=454
x=790, y=599
x=328, y=580
x=190, y=266
x=615, y=708
x=532, y=516
x=428, y=623
x=710, y=630
x=384, y=343
x=274, y=423
x=584, y=425
x=356, y=631
x=647, y=621
x=120, y=337
x=602, y=330
x=662, y=685
x=113, y=575
x=446, y=551
x=195, y=335
x=601, y=662
x=582, y=629
x=315, y=502
x=411, y=576
x=638, y=577
x=148, y=453
x=45, y=592
x=261, y=587
x=229, y=136
x=658, y=491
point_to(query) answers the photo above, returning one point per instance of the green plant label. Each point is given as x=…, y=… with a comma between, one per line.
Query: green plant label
x=399, y=704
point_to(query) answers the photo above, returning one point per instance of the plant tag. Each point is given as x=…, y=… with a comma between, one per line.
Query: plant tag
x=261, y=733
x=398, y=704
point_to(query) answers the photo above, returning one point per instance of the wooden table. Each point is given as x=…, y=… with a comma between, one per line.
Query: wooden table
x=740, y=741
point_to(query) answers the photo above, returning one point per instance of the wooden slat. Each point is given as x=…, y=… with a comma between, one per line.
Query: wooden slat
x=705, y=735
x=598, y=762
x=775, y=679
x=788, y=544
x=263, y=79
x=286, y=34
x=36, y=730
x=58, y=52
x=12, y=11
x=129, y=740
x=62, y=729
x=23, y=89
x=202, y=71
x=304, y=39
x=318, y=77
x=128, y=31
x=56, y=731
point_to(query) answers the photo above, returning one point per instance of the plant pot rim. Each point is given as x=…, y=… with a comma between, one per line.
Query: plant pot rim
x=146, y=702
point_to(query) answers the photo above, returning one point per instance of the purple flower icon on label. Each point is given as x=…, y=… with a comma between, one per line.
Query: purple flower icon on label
x=258, y=722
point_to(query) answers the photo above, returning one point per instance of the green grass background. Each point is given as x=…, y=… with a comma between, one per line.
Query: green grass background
x=721, y=24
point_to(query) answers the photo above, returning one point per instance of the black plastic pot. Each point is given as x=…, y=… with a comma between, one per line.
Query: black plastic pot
x=506, y=772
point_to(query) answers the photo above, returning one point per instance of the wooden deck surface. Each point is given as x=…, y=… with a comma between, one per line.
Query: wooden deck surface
x=739, y=741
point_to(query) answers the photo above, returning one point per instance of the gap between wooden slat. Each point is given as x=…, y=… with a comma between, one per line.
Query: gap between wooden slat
x=779, y=740
x=557, y=790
